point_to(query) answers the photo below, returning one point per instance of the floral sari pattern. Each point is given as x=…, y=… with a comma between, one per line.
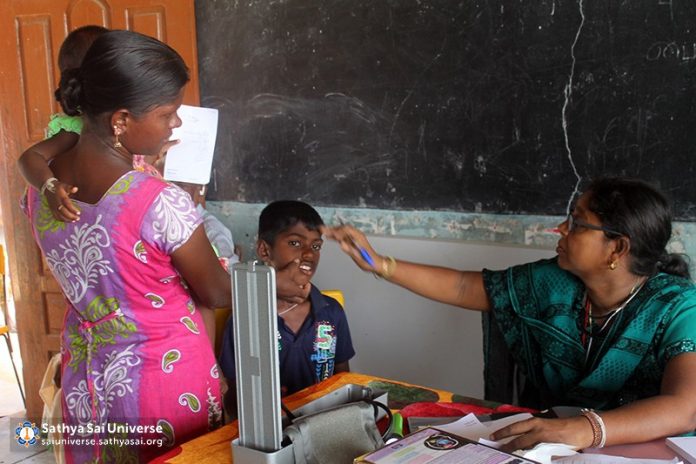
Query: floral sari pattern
x=45, y=222
x=173, y=217
x=79, y=261
x=106, y=333
x=131, y=328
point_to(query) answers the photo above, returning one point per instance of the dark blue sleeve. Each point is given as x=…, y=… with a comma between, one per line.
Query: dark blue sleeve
x=226, y=360
x=344, y=344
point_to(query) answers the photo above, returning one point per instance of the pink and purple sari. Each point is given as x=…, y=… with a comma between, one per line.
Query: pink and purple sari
x=134, y=347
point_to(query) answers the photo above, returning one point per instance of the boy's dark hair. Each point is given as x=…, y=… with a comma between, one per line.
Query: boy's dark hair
x=74, y=49
x=123, y=69
x=279, y=216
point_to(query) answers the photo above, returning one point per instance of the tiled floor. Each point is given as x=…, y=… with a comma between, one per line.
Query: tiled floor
x=33, y=455
x=10, y=399
x=12, y=411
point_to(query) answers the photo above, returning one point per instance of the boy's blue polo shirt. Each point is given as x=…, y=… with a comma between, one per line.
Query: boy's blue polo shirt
x=310, y=355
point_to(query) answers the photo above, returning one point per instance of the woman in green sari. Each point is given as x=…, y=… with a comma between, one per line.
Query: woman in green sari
x=608, y=324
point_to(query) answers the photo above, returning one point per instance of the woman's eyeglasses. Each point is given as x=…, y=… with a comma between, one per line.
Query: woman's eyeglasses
x=574, y=223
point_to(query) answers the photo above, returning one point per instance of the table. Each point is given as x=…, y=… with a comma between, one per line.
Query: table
x=214, y=447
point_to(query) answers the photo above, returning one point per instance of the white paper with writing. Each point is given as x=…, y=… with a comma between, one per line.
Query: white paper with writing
x=191, y=159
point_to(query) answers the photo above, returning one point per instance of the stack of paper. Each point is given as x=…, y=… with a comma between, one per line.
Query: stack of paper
x=471, y=428
x=684, y=447
x=436, y=446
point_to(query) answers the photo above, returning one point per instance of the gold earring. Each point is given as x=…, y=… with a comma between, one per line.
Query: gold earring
x=117, y=132
x=612, y=265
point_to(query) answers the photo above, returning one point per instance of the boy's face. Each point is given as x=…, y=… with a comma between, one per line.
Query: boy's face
x=294, y=243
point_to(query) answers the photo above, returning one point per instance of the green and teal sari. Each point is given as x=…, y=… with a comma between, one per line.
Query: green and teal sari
x=540, y=310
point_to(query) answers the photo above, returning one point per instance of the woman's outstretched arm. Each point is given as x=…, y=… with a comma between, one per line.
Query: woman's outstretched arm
x=446, y=285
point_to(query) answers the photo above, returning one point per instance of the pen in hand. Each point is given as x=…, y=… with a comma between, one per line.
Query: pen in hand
x=363, y=252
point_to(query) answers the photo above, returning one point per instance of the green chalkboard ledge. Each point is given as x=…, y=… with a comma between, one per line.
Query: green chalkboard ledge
x=518, y=230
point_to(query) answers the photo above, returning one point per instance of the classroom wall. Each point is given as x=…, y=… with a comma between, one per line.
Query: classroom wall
x=400, y=335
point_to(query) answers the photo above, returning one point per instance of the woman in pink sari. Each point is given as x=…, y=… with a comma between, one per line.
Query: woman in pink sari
x=134, y=345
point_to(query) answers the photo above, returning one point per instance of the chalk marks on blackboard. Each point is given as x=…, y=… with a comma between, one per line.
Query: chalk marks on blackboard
x=672, y=51
x=491, y=106
x=669, y=49
x=412, y=89
x=667, y=3
x=319, y=128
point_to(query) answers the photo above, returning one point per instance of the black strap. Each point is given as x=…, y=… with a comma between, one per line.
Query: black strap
x=287, y=412
x=390, y=418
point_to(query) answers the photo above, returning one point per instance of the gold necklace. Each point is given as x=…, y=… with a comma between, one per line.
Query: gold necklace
x=609, y=316
x=635, y=289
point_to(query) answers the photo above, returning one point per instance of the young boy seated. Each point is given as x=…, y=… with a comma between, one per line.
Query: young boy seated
x=314, y=339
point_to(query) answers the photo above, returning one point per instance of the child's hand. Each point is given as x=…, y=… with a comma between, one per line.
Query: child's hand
x=158, y=163
x=62, y=208
x=292, y=285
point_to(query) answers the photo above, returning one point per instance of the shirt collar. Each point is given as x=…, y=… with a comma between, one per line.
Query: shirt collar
x=317, y=299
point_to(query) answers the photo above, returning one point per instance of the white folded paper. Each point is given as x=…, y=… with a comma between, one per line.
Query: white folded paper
x=191, y=160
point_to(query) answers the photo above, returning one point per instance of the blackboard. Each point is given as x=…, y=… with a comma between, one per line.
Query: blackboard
x=475, y=106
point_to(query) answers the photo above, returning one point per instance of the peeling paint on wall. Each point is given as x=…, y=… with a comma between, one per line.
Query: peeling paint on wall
x=519, y=230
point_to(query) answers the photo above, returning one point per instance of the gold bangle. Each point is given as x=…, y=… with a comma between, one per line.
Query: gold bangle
x=388, y=267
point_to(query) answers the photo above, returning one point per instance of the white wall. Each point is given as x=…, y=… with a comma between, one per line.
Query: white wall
x=402, y=336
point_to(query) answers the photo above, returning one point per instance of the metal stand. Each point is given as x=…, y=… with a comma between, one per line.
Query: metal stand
x=258, y=380
x=251, y=456
x=256, y=358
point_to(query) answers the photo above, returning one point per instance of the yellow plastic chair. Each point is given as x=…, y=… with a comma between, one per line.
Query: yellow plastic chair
x=336, y=295
x=5, y=329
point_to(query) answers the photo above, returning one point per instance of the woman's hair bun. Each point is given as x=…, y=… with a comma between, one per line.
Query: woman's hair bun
x=69, y=92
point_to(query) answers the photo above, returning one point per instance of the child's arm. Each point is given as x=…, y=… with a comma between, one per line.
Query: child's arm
x=33, y=165
x=208, y=315
x=229, y=399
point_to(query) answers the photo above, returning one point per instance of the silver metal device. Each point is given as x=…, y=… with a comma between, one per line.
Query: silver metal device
x=257, y=374
x=256, y=356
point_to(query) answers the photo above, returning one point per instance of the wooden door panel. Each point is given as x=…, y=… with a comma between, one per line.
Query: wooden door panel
x=148, y=20
x=36, y=72
x=81, y=12
x=55, y=313
x=31, y=32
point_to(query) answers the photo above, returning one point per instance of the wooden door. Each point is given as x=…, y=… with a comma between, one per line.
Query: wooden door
x=31, y=32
